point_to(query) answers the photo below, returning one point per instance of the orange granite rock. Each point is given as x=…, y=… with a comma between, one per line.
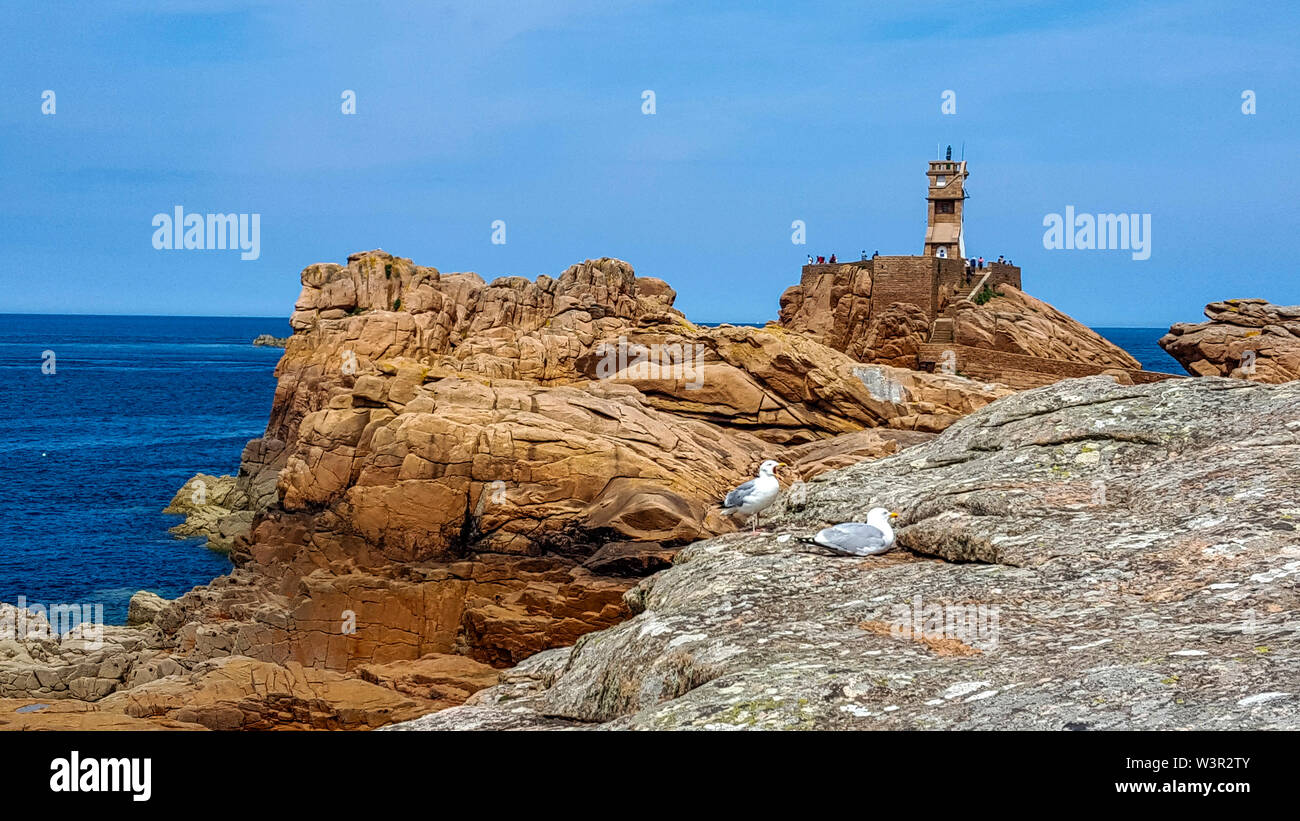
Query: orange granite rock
x=1244, y=339
x=1015, y=322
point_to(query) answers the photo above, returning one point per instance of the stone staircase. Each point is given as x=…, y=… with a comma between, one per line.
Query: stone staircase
x=941, y=331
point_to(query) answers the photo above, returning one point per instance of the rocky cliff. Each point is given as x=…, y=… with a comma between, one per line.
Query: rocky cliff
x=1086, y=555
x=1244, y=338
x=1012, y=321
x=457, y=475
x=465, y=482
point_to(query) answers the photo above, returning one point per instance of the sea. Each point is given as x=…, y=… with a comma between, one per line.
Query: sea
x=103, y=418
x=1141, y=343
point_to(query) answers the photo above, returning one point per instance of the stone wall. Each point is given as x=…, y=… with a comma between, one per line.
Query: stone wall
x=926, y=282
x=1002, y=274
x=1019, y=371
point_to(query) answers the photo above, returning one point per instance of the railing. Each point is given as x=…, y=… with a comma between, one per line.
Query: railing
x=970, y=297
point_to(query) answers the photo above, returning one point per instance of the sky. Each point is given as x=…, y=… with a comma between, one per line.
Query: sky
x=532, y=113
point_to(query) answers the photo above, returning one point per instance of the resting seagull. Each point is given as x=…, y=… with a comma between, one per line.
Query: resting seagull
x=873, y=537
x=756, y=495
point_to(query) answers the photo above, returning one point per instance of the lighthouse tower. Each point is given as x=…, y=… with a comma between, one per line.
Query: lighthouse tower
x=945, y=198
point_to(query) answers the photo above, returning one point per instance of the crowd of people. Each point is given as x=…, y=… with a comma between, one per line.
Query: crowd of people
x=972, y=264
x=822, y=260
x=1001, y=260
x=977, y=264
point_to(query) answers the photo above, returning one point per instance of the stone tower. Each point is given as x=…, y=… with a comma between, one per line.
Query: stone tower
x=947, y=195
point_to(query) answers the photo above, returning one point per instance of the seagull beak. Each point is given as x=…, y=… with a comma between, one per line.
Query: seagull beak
x=893, y=514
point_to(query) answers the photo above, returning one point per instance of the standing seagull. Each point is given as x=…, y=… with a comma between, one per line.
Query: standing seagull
x=756, y=495
x=859, y=539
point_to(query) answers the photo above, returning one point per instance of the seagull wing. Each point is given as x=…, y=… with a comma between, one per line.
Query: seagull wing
x=853, y=539
x=737, y=497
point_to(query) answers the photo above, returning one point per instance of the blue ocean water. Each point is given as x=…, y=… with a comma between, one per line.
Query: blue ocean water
x=1141, y=343
x=90, y=454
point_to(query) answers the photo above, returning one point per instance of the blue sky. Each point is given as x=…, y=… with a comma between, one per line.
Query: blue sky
x=531, y=113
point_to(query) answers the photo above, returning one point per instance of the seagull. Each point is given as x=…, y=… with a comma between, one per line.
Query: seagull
x=756, y=495
x=873, y=537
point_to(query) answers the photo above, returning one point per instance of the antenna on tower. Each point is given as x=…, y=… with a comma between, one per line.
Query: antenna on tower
x=963, y=151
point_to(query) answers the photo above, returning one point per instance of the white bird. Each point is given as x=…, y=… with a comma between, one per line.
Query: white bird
x=756, y=495
x=859, y=539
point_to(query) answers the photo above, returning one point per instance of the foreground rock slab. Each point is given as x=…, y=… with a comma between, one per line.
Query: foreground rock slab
x=1086, y=555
